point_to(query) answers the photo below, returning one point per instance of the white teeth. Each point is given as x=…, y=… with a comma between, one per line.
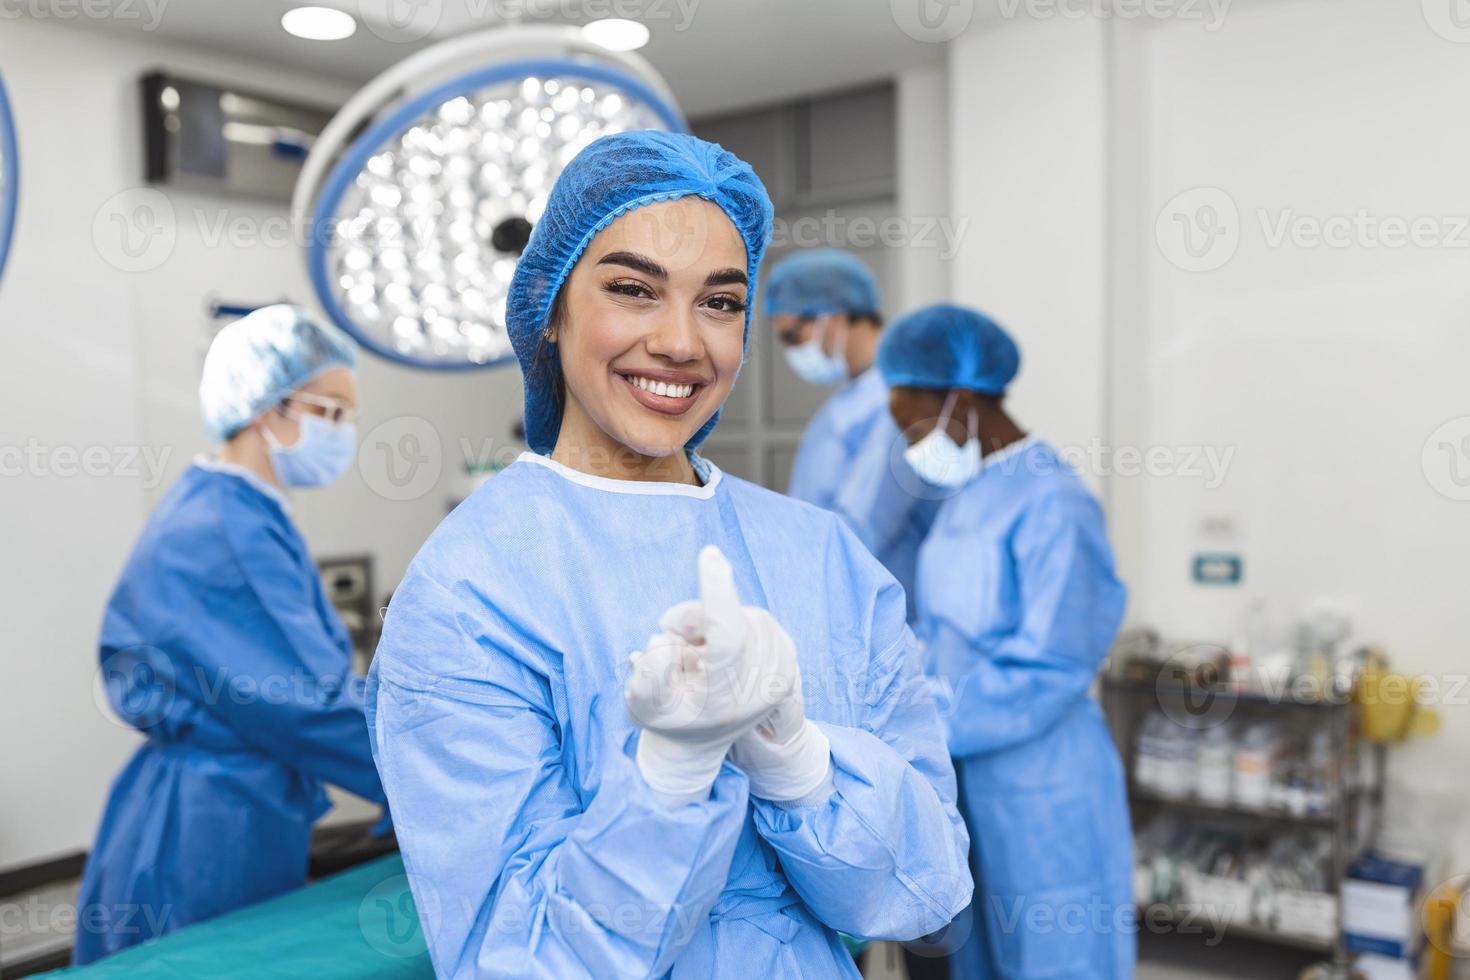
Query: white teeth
x=660, y=387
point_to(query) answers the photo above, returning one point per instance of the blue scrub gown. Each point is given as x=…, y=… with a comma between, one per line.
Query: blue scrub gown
x=848, y=462
x=534, y=847
x=1018, y=606
x=219, y=645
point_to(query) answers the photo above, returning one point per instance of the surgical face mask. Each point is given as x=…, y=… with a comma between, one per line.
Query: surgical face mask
x=814, y=365
x=320, y=456
x=938, y=460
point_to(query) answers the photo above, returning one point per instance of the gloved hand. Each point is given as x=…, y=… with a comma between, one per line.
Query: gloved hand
x=785, y=756
x=708, y=679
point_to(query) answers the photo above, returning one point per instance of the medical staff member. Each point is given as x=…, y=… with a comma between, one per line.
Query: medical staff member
x=765, y=769
x=823, y=305
x=220, y=646
x=1018, y=604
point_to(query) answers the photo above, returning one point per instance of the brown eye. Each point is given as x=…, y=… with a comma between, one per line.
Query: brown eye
x=629, y=287
x=726, y=303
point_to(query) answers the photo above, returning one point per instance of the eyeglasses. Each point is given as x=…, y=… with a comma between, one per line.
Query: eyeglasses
x=334, y=410
x=790, y=336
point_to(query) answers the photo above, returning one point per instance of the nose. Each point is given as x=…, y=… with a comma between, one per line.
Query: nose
x=676, y=337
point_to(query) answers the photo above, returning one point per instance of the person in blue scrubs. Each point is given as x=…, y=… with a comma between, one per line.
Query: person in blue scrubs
x=220, y=646
x=1018, y=604
x=823, y=305
x=634, y=716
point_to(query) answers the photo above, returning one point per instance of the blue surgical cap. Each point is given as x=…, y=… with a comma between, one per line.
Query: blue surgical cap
x=945, y=346
x=818, y=281
x=263, y=357
x=610, y=177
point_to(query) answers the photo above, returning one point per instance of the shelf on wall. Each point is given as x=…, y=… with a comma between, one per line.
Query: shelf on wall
x=1136, y=686
x=1179, y=916
x=1326, y=821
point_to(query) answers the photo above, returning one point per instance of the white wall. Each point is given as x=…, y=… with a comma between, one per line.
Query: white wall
x=1325, y=369
x=1027, y=155
x=98, y=356
x=922, y=154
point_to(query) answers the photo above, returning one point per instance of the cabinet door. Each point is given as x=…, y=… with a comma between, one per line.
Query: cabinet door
x=848, y=144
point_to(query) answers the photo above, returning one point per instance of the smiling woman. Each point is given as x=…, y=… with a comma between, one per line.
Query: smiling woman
x=752, y=779
x=650, y=329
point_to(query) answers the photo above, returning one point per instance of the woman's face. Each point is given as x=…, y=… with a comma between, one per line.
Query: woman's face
x=652, y=328
x=331, y=395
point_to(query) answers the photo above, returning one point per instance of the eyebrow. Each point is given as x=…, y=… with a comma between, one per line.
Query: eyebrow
x=645, y=265
x=636, y=262
x=727, y=277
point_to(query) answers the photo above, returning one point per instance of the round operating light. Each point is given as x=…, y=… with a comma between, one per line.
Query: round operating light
x=417, y=228
x=9, y=176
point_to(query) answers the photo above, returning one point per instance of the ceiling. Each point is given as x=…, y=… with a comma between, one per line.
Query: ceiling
x=715, y=54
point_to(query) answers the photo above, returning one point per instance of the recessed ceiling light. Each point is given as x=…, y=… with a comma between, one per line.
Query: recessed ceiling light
x=616, y=34
x=318, y=23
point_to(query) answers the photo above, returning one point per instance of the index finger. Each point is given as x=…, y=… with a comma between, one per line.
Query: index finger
x=724, y=620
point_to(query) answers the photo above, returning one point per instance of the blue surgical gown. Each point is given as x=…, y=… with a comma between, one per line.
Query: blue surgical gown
x=849, y=461
x=531, y=842
x=220, y=645
x=1018, y=606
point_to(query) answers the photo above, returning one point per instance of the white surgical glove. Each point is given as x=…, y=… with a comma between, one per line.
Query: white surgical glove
x=698, y=688
x=785, y=756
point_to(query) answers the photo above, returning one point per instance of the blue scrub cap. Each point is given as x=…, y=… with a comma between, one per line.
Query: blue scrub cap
x=261, y=358
x=610, y=177
x=818, y=281
x=946, y=346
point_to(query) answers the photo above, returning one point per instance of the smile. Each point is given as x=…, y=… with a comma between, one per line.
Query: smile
x=666, y=395
x=660, y=387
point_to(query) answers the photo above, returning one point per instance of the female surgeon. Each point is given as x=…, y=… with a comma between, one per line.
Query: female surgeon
x=1017, y=605
x=766, y=769
x=220, y=646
